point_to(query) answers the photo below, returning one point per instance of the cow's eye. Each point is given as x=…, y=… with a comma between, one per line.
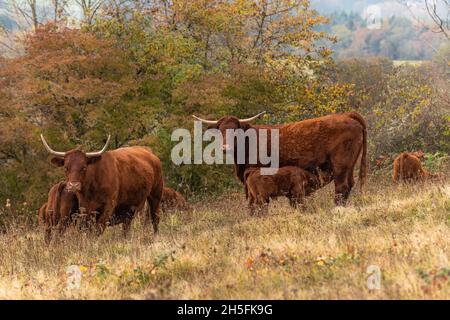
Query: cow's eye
x=84, y=168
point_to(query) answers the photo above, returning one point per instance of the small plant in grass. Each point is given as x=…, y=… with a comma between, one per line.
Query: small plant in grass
x=435, y=279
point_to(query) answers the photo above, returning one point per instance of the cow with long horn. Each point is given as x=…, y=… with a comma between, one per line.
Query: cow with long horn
x=112, y=182
x=331, y=144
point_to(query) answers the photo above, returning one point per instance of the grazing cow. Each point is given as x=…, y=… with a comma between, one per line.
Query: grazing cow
x=290, y=181
x=109, y=182
x=407, y=167
x=173, y=200
x=57, y=211
x=381, y=159
x=331, y=143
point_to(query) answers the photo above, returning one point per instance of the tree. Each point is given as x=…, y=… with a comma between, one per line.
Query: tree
x=89, y=8
x=137, y=70
x=439, y=13
x=441, y=18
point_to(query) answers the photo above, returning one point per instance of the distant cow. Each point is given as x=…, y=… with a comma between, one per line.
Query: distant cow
x=290, y=181
x=56, y=213
x=109, y=182
x=173, y=200
x=331, y=143
x=381, y=159
x=408, y=168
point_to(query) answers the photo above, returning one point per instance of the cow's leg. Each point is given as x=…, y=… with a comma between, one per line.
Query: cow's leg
x=297, y=202
x=341, y=188
x=48, y=235
x=258, y=204
x=85, y=214
x=350, y=180
x=126, y=225
x=343, y=163
x=62, y=226
x=66, y=210
x=295, y=196
x=104, y=217
x=251, y=203
x=293, y=201
x=265, y=210
x=263, y=204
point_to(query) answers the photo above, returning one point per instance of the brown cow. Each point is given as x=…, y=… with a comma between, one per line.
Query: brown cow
x=290, y=181
x=331, y=143
x=381, y=159
x=119, y=181
x=56, y=213
x=407, y=167
x=173, y=200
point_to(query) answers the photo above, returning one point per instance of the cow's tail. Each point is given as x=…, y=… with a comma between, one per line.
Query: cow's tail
x=363, y=166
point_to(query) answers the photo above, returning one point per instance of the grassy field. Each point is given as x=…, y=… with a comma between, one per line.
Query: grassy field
x=414, y=63
x=219, y=251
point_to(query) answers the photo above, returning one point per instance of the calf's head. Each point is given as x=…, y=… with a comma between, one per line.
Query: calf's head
x=228, y=122
x=75, y=163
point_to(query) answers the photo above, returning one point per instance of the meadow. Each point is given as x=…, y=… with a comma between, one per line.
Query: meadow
x=219, y=252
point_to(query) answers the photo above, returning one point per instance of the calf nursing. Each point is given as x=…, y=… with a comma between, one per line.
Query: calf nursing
x=289, y=181
x=56, y=213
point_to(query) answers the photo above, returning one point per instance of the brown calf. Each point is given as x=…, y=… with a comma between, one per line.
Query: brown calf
x=57, y=211
x=290, y=181
x=173, y=200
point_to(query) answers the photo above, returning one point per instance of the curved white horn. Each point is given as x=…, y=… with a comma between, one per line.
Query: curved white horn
x=99, y=153
x=205, y=121
x=252, y=118
x=50, y=150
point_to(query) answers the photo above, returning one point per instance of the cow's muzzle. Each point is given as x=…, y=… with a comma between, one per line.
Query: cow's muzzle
x=73, y=186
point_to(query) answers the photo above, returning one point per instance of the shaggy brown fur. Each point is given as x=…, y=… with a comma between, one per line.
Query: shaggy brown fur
x=173, y=200
x=290, y=181
x=57, y=211
x=380, y=160
x=331, y=143
x=408, y=168
x=116, y=181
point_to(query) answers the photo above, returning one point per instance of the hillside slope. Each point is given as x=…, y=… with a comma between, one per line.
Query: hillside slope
x=221, y=252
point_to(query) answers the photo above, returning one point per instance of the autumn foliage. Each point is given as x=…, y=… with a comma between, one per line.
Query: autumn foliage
x=140, y=72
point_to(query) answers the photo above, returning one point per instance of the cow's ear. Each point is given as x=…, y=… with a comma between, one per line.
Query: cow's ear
x=92, y=160
x=59, y=162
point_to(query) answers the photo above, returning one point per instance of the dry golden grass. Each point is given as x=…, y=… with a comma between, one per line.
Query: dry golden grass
x=218, y=251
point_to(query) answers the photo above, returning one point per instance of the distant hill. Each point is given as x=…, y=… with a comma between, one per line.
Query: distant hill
x=386, y=8
x=397, y=38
